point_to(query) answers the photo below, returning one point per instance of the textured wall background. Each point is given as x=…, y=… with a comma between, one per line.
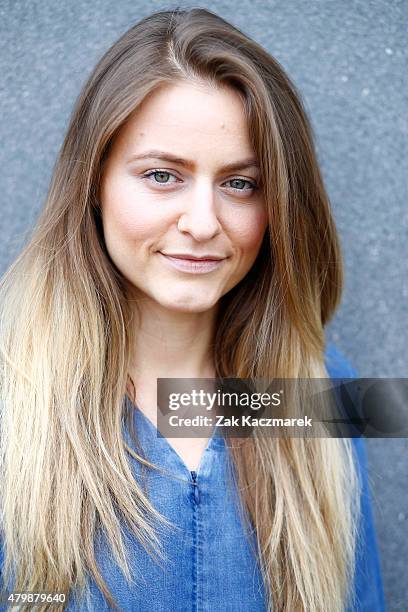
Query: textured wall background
x=349, y=60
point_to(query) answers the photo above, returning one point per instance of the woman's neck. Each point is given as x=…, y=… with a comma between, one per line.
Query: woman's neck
x=171, y=344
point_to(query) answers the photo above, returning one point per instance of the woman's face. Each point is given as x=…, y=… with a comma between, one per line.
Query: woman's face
x=179, y=183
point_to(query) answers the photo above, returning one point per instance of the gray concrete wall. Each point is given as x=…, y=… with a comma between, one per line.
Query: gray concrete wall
x=349, y=60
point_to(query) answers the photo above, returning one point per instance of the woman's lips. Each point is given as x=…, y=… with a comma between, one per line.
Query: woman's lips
x=194, y=266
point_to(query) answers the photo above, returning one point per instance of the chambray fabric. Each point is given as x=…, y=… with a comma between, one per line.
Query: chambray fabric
x=368, y=586
x=210, y=564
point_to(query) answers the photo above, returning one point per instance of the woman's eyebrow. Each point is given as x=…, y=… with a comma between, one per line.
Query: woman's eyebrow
x=250, y=162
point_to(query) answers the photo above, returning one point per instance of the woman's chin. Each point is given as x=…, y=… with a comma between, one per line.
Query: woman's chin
x=187, y=304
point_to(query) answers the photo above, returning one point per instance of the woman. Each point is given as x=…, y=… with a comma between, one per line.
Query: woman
x=187, y=142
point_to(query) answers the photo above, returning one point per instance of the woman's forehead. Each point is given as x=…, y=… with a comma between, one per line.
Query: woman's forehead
x=188, y=119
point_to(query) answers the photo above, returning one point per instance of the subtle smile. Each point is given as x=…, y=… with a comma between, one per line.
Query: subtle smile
x=194, y=265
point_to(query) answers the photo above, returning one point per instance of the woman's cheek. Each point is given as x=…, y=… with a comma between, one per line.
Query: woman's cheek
x=249, y=228
x=126, y=214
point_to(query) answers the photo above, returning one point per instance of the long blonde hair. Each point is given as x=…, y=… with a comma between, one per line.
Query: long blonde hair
x=66, y=332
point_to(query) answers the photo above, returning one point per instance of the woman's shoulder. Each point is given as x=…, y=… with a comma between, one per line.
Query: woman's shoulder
x=337, y=364
x=368, y=587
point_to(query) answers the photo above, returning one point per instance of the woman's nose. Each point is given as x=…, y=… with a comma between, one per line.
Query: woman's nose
x=199, y=216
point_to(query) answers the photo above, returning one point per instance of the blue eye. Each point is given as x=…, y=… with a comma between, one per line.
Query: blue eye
x=161, y=177
x=238, y=184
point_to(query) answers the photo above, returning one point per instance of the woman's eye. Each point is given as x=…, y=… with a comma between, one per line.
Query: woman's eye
x=160, y=177
x=240, y=184
x=164, y=177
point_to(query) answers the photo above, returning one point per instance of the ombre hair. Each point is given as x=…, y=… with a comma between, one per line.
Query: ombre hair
x=66, y=334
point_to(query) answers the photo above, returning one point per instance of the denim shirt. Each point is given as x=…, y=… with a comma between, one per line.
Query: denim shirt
x=210, y=564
